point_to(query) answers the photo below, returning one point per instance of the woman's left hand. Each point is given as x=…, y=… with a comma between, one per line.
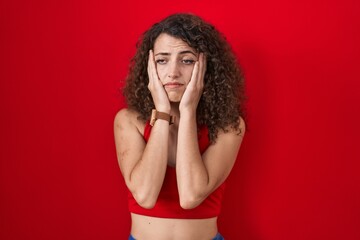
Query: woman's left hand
x=193, y=91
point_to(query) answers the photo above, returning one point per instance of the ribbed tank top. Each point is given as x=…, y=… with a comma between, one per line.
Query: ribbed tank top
x=168, y=204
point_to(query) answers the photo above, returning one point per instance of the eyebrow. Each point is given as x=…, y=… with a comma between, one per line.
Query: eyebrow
x=182, y=52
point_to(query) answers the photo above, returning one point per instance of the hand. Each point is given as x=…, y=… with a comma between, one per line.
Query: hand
x=193, y=91
x=160, y=98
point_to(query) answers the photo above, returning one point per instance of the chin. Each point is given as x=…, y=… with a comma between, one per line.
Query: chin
x=174, y=98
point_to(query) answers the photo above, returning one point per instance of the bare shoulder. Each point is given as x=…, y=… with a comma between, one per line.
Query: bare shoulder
x=128, y=119
x=129, y=141
x=124, y=115
x=239, y=131
x=219, y=158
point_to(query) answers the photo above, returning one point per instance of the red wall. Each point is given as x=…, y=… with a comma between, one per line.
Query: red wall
x=62, y=62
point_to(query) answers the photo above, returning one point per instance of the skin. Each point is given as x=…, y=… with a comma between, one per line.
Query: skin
x=170, y=68
x=176, y=80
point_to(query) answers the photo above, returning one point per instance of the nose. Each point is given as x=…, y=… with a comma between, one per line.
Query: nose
x=174, y=71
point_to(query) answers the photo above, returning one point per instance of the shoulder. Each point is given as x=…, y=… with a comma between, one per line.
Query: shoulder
x=237, y=129
x=128, y=119
x=124, y=116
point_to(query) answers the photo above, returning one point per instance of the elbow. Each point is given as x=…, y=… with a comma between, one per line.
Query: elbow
x=144, y=197
x=145, y=201
x=190, y=202
x=147, y=205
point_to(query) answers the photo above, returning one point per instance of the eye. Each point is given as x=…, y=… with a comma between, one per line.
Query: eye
x=188, y=61
x=160, y=61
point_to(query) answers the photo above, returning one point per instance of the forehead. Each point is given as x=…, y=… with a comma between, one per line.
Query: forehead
x=167, y=43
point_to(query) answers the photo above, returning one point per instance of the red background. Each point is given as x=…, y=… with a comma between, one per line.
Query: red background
x=62, y=63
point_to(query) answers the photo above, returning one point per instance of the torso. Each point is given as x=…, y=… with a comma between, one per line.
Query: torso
x=153, y=228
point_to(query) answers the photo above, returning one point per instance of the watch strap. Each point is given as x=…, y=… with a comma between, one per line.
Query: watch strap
x=161, y=115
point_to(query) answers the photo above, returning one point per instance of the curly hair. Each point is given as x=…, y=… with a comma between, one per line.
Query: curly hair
x=222, y=100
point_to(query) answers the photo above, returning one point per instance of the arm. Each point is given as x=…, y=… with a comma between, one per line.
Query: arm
x=143, y=165
x=198, y=176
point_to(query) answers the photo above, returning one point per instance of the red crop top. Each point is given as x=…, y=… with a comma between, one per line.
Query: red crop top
x=168, y=205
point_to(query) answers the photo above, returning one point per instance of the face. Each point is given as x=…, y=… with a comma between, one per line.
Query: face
x=174, y=60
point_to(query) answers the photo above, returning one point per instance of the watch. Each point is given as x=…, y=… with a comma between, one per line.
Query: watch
x=155, y=115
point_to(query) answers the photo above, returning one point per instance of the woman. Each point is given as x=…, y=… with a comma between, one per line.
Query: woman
x=178, y=140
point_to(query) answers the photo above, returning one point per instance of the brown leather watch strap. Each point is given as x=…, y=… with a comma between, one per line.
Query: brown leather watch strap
x=155, y=115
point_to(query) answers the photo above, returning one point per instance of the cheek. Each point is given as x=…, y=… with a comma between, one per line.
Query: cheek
x=161, y=71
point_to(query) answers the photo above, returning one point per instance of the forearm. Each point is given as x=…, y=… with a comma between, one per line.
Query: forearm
x=148, y=174
x=192, y=176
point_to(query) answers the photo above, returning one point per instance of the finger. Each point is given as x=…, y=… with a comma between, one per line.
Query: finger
x=202, y=60
x=151, y=61
x=201, y=65
x=149, y=68
x=202, y=68
x=153, y=67
x=204, y=64
x=194, y=75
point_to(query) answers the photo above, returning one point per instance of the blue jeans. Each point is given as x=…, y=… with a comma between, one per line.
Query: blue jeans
x=217, y=237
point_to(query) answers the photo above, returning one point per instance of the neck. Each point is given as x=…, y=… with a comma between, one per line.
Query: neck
x=175, y=109
x=175, y=112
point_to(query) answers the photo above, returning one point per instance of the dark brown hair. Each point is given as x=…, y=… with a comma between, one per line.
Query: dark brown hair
x=221, y=103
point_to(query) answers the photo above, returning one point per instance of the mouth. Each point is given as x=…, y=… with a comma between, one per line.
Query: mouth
x=173, y=85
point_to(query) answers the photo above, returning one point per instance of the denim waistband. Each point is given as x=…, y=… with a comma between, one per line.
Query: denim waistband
x=217, y=237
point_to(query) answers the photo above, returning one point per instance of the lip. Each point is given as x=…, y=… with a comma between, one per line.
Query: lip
x=173, y=85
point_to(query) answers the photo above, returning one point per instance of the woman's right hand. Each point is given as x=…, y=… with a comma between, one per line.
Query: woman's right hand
x=158, y=93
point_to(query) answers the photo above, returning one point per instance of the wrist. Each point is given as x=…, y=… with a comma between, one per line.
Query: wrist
x=164, y=109
x=158, y=115
x=188, y=113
